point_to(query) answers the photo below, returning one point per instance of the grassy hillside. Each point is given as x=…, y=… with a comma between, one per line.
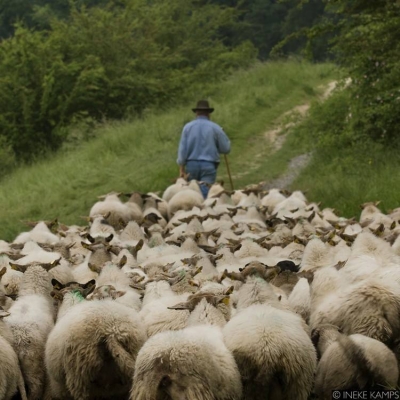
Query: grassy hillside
x=141, y=155
x=347, y=168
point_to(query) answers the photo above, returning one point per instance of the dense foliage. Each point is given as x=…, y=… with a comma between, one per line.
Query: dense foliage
x=108, y=63
x=369, y=48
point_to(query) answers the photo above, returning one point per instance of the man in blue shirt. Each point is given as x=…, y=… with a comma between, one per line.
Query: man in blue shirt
x=201, y=143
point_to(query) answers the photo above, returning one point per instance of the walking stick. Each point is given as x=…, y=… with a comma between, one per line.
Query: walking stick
x=229, y=171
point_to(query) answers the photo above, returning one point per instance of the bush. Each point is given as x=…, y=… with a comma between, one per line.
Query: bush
x=108, y=63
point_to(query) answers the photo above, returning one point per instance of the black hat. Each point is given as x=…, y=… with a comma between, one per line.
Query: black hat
x=202, y=105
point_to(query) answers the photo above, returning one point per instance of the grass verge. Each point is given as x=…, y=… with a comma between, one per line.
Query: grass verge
x=347, y=169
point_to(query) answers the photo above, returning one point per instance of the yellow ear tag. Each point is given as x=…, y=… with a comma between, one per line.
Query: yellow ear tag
x=226, y=301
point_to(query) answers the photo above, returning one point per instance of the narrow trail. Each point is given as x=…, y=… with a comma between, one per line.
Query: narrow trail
x=276, y=138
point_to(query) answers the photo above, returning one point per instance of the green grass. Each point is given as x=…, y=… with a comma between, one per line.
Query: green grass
x=141, y=155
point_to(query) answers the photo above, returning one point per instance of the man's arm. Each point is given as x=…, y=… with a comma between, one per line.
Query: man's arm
x=223, y=142
x=182, y=153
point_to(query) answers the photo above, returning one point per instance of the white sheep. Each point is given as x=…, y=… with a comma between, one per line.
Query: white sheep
x=370, y=307
x=300, y=299
x=191, y=364
x=112, y=275
x=351, y=362
x=91, y=351
x=185, y=199
x=172, y=190
x=275, y=356
x=39, y=234
x=31, y=321
x=11, y=378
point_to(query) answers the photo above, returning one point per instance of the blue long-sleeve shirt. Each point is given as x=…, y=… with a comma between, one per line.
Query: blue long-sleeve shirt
x=202, y=140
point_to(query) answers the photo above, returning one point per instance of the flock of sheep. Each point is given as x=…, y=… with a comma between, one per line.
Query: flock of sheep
x=244, y=295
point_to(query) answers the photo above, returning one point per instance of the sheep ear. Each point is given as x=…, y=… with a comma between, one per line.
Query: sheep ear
x=122, y=262
x=109, y=238
x=3, y=313
x=193, y=283
x=70, y=246
x=223, y=299
x=88, y=288
x=90, y=238
x=57, y=285
x=229, y=290
x=86, y=246
x=139, y=245
x=17, y=267
x=93, y=268
x=92, y=282
x=309, y=275
x=180, y=306
x=3, y=272
x=49, y=266
x=197, y=271
x=120, y=293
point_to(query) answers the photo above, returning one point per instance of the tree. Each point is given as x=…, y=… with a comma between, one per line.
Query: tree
x=108, y=63
x=369, y=48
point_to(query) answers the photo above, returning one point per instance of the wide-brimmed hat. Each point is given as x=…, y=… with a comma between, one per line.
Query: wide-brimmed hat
x=202, y=105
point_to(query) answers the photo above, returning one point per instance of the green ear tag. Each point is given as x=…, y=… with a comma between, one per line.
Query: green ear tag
x=78, y=295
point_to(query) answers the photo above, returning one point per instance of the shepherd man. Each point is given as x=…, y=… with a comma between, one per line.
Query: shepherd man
x=202, y=142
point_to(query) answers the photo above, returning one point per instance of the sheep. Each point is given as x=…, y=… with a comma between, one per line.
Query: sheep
x=5, y=301
x=151, y=207
x=39, y=234
x=131, y=233
x=172, y=190
x=300, y=299
x=11, y=280
x=277, y=360
x=91, y=351
x=316, y=255
x=184, y=200
x=272, y=199
x=112, y=275
x=11, y=378
x=31, y=321
x=192, y=363
x=256, y=291
x=370, y=308
x=133, y=208
x=354, y=362
x=115, y=211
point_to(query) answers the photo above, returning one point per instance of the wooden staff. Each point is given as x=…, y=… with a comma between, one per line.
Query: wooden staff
x=229, y=171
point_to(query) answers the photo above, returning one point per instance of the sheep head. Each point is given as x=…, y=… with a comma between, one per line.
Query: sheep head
x=83, y=289
x=46, y=266
x=106, y=291
x=196, y=298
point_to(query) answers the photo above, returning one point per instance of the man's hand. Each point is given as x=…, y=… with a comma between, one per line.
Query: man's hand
x=182, y=171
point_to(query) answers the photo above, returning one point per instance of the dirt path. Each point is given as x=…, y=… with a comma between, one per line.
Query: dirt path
x=276, y=138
